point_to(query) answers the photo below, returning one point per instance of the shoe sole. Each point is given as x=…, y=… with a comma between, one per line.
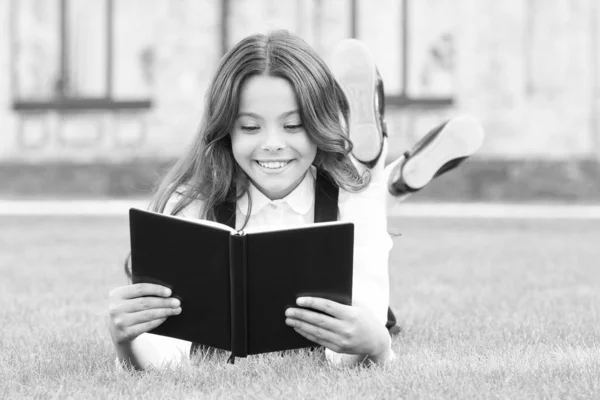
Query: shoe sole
x=460, y=137
x=354, y=70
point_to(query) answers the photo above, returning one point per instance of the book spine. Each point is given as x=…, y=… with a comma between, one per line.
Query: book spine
x=237, y=273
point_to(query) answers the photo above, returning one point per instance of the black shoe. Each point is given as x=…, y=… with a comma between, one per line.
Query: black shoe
x=441, y=150
x=359, y=78
x=380, y=106
x=392, y=324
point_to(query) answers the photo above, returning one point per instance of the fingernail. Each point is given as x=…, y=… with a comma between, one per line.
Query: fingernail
x=301, y=301
x=177, y=310
x=175, y=303
x=289, y=312
x=289, y=322
x=167, y=292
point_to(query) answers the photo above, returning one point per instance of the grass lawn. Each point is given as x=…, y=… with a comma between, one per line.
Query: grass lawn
x=502, y=309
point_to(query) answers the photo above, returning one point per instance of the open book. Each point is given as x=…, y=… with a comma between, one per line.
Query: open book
x=234, y=286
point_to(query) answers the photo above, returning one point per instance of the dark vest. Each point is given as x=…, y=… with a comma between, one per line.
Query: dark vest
x=326, y=210
x=326, y=203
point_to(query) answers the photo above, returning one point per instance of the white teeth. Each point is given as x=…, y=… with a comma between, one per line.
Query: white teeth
x=272, y=164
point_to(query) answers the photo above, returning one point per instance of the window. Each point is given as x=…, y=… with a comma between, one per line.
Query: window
x=322, y=23
x=413, y=45
x=412, y=41
x=66, y=56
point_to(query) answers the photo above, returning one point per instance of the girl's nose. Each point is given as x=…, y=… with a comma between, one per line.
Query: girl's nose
x=273, y=141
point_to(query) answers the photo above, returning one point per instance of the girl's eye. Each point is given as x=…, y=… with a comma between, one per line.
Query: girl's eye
x=249, y=128
x=294, y=127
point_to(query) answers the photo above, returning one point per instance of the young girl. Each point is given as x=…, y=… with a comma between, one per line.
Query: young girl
x=274, y=116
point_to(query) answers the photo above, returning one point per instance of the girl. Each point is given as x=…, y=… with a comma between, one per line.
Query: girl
x=274, y=115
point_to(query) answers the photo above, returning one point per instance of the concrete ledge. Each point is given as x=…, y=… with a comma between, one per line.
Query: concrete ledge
x=518, y=181
x=477, y=180
x=120, y=207
x=67, y=180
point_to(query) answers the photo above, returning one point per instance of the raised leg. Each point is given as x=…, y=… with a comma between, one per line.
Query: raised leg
x=358, y=77
x=441, y=150
x=356, y=73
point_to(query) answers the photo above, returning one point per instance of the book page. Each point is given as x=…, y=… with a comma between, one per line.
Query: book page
x=307, y=226
x=198, y=221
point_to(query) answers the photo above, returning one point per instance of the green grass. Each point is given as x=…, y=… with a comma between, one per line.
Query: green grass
x=490, y=309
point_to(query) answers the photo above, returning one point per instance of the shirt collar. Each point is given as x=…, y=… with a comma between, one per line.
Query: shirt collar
x=300, y=199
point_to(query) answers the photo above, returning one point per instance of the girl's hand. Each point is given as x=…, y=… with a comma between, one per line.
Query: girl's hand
x=136, y=309
x=347, y=329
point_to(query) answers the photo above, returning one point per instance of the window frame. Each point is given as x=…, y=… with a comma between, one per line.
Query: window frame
x=404, y=100
x=63, y=102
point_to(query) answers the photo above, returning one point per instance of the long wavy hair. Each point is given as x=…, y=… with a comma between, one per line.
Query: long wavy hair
x=208, y=171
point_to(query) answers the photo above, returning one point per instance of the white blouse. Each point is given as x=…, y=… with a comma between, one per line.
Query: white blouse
x=372, y=243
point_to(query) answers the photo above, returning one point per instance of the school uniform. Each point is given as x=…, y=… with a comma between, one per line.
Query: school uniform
x=372, y=243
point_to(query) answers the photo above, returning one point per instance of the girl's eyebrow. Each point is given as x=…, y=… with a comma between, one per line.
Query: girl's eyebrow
x=288, y=113
x=254, y=115
x=249, y=114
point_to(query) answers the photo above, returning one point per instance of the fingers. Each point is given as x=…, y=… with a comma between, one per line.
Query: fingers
x=138, y=329
x=140, y=297
x=127, y=326
x=145, y=316
x=330, y=307
x=340, y=331
x=319, y=328
x=131, y=332
x=136, y=309
x=313, y=318
x=140, y=290
x=316, y=339
x=148, y=303
x=313, y=333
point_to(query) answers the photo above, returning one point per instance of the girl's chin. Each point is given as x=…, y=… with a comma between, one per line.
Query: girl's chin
x=273, y=190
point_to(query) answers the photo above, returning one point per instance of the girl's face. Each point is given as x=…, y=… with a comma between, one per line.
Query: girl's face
x=269, y=140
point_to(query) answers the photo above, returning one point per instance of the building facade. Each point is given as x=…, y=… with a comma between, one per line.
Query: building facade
x=116, y=81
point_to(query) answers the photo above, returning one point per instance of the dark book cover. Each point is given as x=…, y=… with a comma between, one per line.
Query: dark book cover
x=235, y=286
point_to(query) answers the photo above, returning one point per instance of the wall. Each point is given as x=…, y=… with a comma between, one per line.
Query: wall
x=529, y=69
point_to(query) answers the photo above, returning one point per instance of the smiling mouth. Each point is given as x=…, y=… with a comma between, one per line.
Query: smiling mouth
x=273, y=164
